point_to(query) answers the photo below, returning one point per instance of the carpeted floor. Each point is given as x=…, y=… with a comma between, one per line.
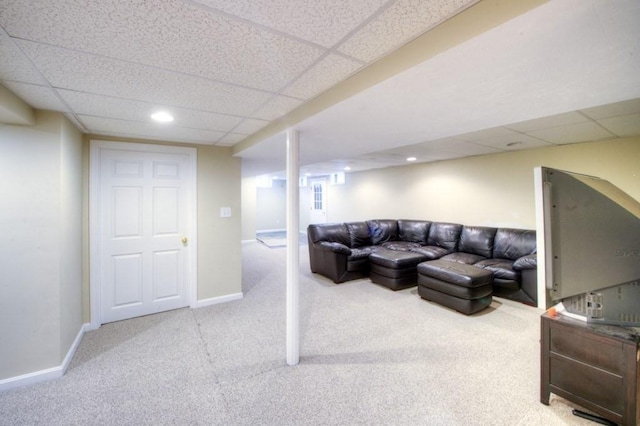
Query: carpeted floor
x=369, y=356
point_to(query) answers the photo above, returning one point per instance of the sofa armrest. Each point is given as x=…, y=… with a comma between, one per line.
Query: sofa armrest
x=335, y=247
x=529, y=261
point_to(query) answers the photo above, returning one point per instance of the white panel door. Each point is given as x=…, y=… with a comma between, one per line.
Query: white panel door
x=318, y=212
x=144, y=204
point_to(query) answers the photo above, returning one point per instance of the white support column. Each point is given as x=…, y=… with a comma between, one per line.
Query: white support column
x=293, y=249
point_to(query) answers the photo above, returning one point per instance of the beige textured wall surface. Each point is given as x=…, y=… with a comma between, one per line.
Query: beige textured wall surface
x=219, y=245
x=271, y=206
x=40, y=289
x=248, y=209
x=71, y=210
x=491, y=190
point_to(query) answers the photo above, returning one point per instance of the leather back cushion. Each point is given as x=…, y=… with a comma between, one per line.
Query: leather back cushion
x=383, y=230
x=477, y=240
x=413, y=231
x=444, y=235
x=358, y=234
x=514, y=243
x=330, y=232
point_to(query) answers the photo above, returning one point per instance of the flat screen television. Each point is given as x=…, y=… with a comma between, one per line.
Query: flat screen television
x=591, y=247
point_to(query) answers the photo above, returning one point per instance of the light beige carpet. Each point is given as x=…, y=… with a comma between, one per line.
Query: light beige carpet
x=369, y=356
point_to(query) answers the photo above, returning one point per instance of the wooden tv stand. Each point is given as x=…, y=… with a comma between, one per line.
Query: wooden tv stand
x=592, y=365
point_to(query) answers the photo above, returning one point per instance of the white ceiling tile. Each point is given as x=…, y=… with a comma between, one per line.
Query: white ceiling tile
x=322, y=22
x=249, y=126
x=94, y=74
x=72, y=118
x=547, y=122
x=105, y=106
x=572, y=133
x=277, y=107
x=613, y=110
x=231, y=139
x=14, y=65
x=626, y=125
x=163, y=132
x=457, y=146
x=400, y=23
x=173, y=35
x=40, y=97
x=513, y=142
x=494, y=132
x=326, y=73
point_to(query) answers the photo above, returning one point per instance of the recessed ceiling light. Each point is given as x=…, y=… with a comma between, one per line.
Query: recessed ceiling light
x=411, y=158
x=346, y=169
x=514, y=143
x=162, y=117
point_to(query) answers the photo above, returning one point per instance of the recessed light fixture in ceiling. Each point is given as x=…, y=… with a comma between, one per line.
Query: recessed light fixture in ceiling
x=510, y=144
x=347, y=168
x=410, y=159
x=162, y=117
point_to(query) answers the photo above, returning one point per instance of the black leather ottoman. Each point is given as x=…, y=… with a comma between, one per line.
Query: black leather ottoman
x=394, y=269
x=458, y=286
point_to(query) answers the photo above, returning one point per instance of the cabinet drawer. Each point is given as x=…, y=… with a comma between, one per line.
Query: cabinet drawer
x=588, y=348
x=595, y=385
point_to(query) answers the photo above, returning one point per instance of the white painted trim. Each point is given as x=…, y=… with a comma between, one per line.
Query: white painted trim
x=538, y=183
x=49, y=373
x=95, y=146
x=293, y=251
x=220, y=299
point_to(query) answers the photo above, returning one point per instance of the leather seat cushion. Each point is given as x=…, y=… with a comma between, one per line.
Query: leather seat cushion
x=461, y=257
x=456, y=273
x=396, y=259
x=400, y=245
x=501, y=268
x=430, y=252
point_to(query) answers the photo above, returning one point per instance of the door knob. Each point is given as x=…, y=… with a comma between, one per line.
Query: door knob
x=185, y=240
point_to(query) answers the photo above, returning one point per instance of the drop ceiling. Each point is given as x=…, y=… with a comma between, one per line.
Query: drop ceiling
x=237, y=73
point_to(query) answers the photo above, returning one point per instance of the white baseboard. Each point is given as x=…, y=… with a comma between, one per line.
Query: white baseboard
x=271, y=230
x=215, y=300
x=49, y=373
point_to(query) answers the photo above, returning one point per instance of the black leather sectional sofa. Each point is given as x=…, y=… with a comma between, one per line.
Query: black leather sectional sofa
x=341, y=251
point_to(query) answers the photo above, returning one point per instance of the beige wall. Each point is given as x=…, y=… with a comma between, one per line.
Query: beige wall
x=219, y=254
x=255, y=200
x=271, y=206
x=71, y=209
x=40, y=253
x=249, y=208
x=491, y=190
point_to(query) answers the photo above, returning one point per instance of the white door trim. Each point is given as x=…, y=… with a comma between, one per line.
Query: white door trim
x=95, y=148
x=313, y=213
